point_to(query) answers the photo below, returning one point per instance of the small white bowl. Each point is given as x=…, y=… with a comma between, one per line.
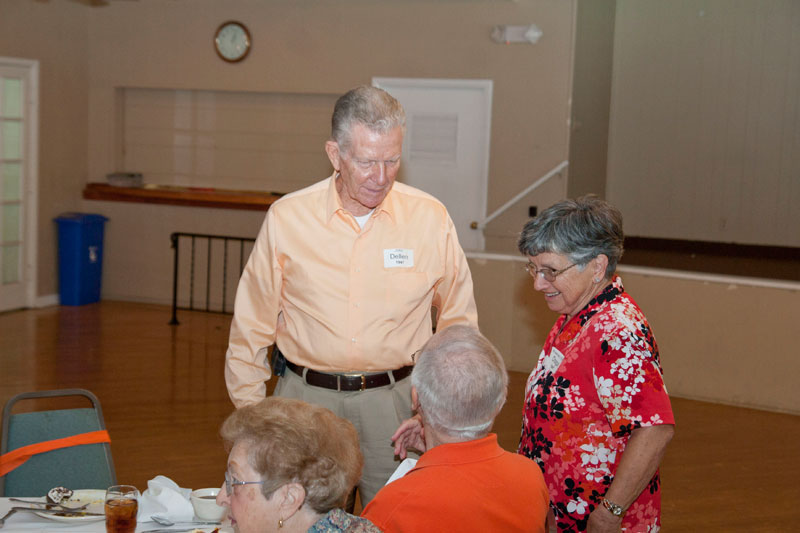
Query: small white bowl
x=204, y=505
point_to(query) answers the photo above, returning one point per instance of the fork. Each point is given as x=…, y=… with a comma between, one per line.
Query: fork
x=57, y=511
x=49, y=504
x=3, y=520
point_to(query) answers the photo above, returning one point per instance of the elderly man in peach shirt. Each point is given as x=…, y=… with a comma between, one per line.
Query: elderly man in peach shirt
x=342, y=280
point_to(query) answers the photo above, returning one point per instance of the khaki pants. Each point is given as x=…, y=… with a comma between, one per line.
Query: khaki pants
x=376, y=414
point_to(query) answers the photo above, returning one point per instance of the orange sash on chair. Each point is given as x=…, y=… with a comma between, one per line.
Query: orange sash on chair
x=15, y=458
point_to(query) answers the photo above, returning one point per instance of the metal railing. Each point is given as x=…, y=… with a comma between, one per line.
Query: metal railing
x=558, y=169
x=212, y=259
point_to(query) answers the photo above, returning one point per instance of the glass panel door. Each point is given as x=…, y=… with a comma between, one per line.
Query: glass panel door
x=13, y=276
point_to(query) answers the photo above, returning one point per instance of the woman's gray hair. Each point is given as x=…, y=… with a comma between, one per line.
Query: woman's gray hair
x=580, y=229
x=291, y=441
x=370, y=106
x=461, y=382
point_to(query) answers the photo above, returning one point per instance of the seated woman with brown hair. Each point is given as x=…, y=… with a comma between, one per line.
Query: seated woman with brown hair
x=291, y=467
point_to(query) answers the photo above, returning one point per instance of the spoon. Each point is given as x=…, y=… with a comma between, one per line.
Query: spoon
x=168, y=523
x=50, y=504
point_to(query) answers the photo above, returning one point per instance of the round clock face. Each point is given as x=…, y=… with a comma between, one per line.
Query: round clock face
x=232, y=41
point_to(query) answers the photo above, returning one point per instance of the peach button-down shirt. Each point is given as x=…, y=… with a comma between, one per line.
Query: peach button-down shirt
x=338, y=298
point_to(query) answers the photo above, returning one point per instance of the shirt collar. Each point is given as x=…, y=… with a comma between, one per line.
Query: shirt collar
x=389, y=206
x=606, y=295
x=333, y=202
x=569, y=330
x=461, y=452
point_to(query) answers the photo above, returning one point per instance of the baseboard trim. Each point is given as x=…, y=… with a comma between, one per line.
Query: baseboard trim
x=780, y=409
x=47, y=300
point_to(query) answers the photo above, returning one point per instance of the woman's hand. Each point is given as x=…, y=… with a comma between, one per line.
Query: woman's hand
x=602, y=521
x=410, y=434
x=636, y=468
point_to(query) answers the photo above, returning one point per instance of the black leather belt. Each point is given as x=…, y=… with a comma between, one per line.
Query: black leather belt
x=350, y=381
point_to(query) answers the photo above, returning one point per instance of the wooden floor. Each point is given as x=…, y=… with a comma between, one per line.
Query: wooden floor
x=162, y=390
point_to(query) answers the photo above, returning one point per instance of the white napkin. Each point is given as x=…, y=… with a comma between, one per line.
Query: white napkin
x=402, y=469
x=165, y=499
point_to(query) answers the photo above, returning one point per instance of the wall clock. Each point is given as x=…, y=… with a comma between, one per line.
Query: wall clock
x=232, y=41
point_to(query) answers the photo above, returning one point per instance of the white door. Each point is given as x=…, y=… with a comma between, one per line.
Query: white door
x=18, y=101
x=446, y=147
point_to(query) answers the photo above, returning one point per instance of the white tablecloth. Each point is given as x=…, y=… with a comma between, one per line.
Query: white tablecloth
x=27, y=522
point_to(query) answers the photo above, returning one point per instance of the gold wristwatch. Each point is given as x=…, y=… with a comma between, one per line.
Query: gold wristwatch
x=613, y=508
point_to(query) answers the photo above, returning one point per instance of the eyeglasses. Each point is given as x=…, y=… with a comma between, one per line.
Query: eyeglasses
x=369, y=164
x=231, y=482
x=546, y=273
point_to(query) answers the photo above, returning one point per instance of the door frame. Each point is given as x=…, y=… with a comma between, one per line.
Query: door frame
x=30, y=175
x=485, y=87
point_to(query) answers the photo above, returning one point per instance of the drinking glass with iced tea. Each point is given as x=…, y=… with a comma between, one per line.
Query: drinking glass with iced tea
x=122, y=504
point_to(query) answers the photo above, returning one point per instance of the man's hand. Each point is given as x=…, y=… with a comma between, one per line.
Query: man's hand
x=410, y=434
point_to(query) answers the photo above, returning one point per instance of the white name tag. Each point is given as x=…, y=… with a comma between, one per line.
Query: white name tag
x=552, y=361
x=398, y=257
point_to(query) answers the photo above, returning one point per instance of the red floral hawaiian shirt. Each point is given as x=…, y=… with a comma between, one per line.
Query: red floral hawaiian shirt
x=597, y=379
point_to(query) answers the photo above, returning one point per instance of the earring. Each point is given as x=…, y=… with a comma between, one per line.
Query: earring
x=280, y=523
x=597, y=281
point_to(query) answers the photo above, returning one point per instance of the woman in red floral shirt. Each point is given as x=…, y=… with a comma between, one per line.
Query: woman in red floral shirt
x=597, y=417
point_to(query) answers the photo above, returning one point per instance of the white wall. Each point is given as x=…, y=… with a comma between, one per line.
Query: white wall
x=705, y=120
x=722, y=339
x=55, y=34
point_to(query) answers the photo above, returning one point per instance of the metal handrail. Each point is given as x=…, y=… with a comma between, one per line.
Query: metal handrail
x=527, y=190
x=175, y=239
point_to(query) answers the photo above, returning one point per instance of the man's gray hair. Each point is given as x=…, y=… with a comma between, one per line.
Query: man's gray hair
x=370, y=106
x=580, y=229
x=461, y=382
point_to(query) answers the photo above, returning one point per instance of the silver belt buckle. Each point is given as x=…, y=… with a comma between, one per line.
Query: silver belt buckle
x=354, y=375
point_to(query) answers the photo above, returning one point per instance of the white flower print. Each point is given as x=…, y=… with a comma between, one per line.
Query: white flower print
x=596, y=454
x=615, y=343
x=596, y=460
x=615, y=385
x=631, y=390
x=577, y=506
x=603, y=385
x=573, y=402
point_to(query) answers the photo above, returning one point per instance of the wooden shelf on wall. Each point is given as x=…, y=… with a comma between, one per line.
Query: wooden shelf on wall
x=185, y=196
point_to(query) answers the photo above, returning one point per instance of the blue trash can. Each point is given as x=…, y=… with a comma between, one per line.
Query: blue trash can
x=80, y=257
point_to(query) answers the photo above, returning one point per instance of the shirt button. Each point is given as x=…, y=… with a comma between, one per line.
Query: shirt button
x=358, y=269
x=355, y=305
x=353, y=339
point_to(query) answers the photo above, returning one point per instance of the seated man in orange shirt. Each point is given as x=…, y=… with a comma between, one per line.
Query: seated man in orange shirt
x=464, y=480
